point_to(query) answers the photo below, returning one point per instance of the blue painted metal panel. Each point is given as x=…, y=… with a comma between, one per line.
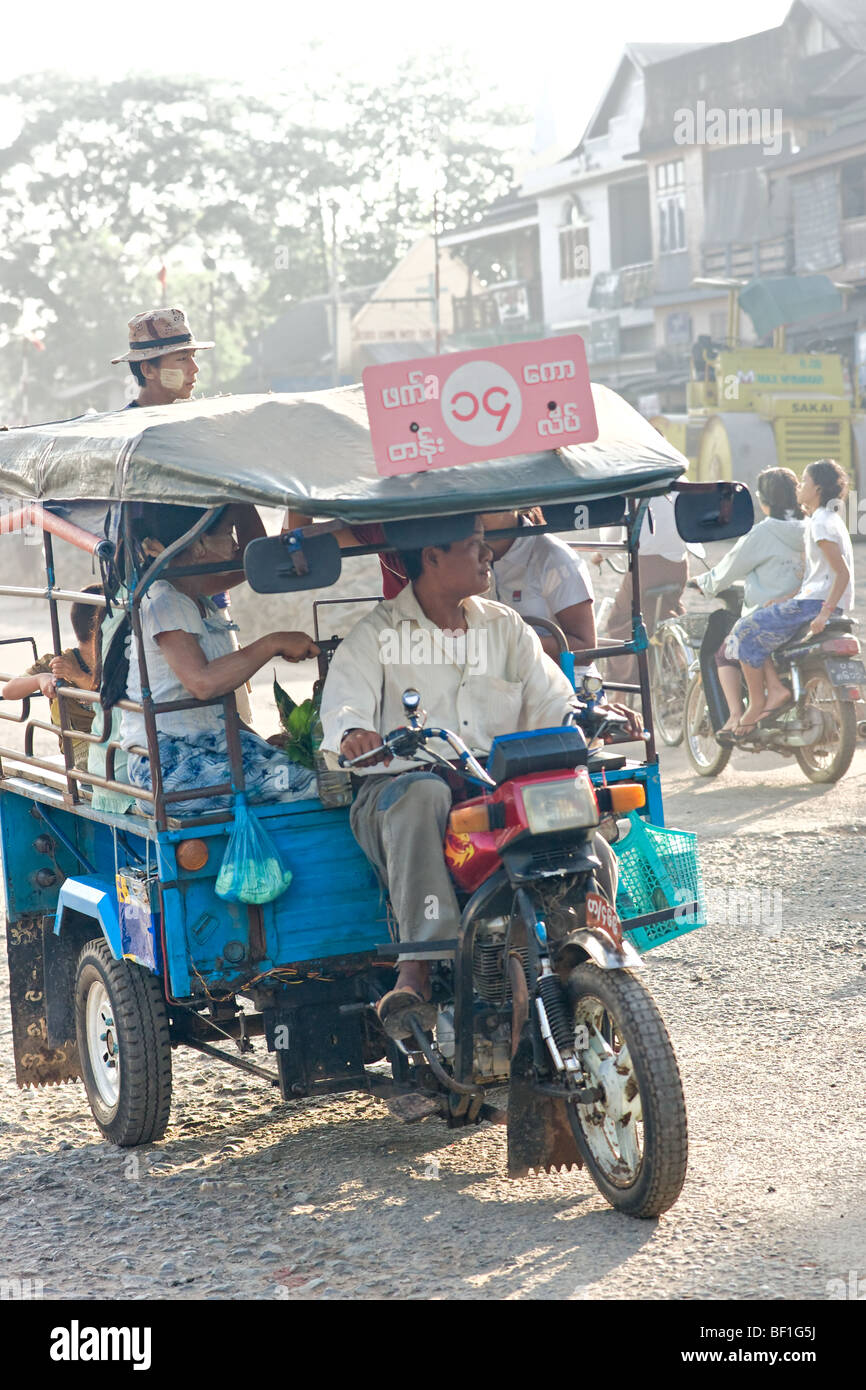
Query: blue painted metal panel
x=333, y=906
x=94, y=897
x=21, y=861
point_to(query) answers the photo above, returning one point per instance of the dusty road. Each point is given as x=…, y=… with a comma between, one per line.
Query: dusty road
x=249, y=1197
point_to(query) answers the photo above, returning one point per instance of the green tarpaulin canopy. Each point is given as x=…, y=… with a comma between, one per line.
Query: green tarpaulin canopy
x=312, y=452
x=781, y=299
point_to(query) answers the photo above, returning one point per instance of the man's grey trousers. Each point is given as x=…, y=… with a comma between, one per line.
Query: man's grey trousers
x=400, y=821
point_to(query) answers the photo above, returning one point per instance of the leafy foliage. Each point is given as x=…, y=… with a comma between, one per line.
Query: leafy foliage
x=297, y=721
x=233, y=191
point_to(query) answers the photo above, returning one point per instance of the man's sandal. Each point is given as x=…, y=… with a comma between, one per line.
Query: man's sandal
x=395, y=1007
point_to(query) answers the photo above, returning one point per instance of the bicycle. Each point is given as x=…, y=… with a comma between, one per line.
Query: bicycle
x=674, y=646
x=674, y=656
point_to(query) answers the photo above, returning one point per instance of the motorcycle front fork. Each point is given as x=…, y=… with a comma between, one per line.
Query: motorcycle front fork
x=552, y=1009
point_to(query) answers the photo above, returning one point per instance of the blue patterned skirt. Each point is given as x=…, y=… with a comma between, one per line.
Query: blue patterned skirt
x=752, y=639
x=203, y=761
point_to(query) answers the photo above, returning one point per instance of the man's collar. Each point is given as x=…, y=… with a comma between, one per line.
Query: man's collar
x=406, y=605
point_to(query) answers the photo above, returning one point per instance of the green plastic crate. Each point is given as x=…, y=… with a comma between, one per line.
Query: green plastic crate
x=658, y=868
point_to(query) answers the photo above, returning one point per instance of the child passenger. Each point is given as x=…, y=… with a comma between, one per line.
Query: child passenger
x=77, y=666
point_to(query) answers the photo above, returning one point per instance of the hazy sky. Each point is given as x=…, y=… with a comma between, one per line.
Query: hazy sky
x=554, y=52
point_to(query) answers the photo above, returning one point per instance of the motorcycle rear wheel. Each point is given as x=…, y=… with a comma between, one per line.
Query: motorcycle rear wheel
x=707, y=756
x=829, y=758
x=635, y=1141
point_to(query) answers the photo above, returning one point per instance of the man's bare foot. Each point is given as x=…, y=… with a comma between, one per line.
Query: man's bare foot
x=414, y=974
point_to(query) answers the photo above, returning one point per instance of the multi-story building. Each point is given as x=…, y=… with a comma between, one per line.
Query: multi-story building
x=701, y=162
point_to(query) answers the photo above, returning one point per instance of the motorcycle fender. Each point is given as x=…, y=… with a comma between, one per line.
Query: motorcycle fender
x=603, y=950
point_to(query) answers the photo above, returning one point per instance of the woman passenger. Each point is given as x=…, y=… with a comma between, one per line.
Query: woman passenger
x=189, y=651
x=770, y=559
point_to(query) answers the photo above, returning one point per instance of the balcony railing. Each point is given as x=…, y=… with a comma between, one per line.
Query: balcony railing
x=619, y=289
x=505, y=307
x=746, y=260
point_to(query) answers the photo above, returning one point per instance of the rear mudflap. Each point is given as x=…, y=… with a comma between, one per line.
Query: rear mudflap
x=539, y=1134
x=36, y=1062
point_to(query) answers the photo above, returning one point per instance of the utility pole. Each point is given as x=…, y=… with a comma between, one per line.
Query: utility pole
x=210, y=266
x=25, y=407
x=436, y=323
x=335, y=296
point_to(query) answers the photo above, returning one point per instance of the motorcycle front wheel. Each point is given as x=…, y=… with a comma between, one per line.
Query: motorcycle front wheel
x=707, y=756
x=634, y=1140
x=830, y=757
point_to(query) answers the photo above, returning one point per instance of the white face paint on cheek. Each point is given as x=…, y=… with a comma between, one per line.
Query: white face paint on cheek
x=171, y=378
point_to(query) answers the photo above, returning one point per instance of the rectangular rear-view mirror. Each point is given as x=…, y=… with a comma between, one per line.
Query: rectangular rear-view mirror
x=713, y=511
x=278, y=565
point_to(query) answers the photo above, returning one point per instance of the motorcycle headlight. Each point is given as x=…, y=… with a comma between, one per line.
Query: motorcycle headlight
x=566, y=803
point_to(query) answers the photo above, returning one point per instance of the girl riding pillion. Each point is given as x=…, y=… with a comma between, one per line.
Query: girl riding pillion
x=828, y=587
x=189, y=651
x=770, y=559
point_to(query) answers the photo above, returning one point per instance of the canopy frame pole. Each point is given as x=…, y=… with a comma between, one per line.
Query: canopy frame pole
x=72, y=795
x=637, y=511
x=146, y=698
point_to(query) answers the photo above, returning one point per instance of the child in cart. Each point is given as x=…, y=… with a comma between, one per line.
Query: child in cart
x=76, y=666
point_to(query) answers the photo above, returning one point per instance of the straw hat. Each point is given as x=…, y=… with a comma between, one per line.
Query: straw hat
x=156, y=333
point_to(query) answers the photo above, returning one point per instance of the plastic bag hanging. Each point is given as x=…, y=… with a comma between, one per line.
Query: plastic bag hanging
x=251, y=871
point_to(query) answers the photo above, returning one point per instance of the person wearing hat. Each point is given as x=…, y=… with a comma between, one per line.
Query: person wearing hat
x=161, y=356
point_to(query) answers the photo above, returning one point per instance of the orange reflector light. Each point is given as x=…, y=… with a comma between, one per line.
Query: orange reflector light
x=627, y=796
x=465, y=820
x=192, y=854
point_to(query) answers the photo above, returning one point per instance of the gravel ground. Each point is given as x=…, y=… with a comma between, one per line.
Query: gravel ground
x=249, y=1197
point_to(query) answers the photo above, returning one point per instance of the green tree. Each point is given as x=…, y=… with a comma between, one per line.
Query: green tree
x=104, y=183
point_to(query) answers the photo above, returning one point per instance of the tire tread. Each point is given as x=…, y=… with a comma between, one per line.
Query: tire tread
x=665, y=1126
x=144, y=1103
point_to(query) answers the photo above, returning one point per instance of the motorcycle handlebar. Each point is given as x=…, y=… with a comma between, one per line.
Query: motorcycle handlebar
x=406, y=741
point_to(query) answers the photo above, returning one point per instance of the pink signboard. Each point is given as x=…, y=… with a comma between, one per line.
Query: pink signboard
x=464, y=407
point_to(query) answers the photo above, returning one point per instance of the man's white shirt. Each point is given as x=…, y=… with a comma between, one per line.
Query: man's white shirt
x=494, y=679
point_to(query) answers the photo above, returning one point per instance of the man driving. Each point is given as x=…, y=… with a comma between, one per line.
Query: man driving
x=481, y=672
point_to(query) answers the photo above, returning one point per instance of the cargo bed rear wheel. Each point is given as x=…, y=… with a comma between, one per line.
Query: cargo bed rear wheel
x=121, y=1024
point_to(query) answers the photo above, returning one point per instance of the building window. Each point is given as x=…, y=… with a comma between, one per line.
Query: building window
x=671, y=205
x=573, y=243
x=854, y=188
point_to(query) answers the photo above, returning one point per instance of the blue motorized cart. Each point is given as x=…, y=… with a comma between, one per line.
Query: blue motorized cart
x=119, y=947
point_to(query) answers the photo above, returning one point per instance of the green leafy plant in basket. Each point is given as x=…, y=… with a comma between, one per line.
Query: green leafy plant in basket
x=297, y=721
